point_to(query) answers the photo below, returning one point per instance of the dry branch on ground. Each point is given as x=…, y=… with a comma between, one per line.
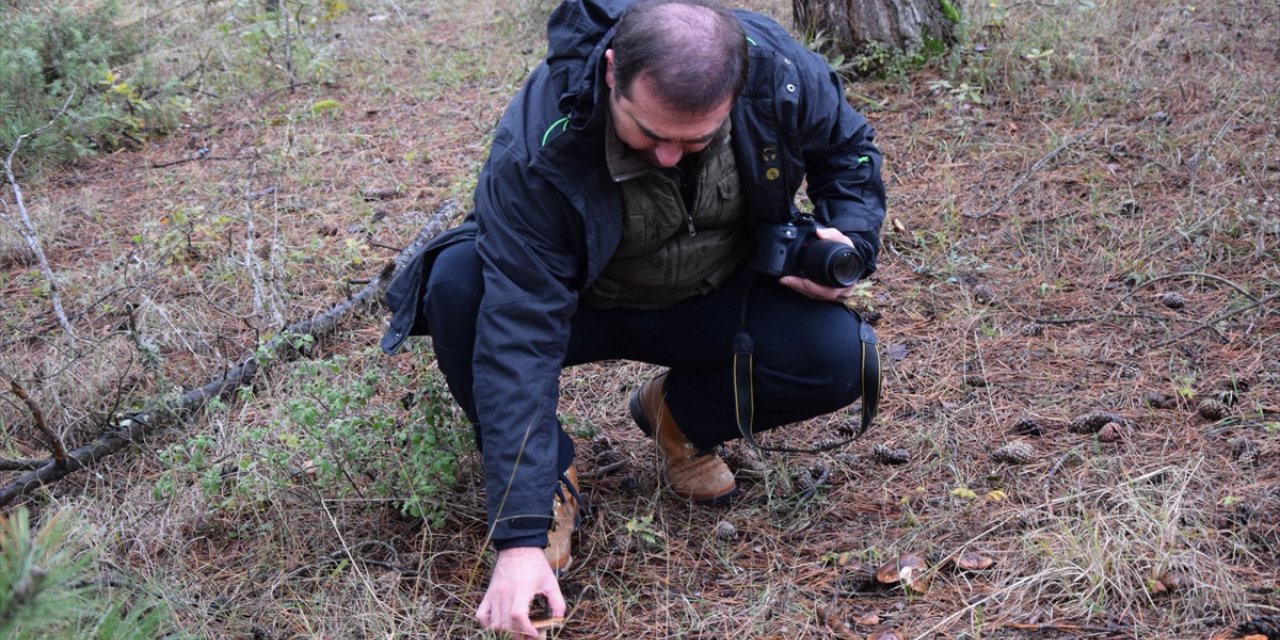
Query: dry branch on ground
x=166, y=412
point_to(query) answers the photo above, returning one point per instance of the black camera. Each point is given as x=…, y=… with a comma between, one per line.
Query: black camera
x=794, y=249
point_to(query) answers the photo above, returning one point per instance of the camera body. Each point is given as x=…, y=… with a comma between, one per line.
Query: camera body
x=794, y=249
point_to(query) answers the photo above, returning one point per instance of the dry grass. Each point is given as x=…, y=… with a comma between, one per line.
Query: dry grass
x=1046, y=192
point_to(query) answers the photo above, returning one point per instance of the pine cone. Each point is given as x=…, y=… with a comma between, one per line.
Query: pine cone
x=726, y=531
x=1268, y=626
x=1228, y=397
x=1112, y=432
x=1032, y=330
x=1028, y=426
x=885, y=455
x=601, y=444
x=609, y=458
x=1094, y=422
x=1211, y=409
x=1014, y=453
x=984, y=293
x=1173, y=300
x=744, y=458
x=1158, y=400
x=1244, y=451
x=624, y=543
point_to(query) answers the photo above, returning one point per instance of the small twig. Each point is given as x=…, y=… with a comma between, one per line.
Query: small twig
x=602, y=471
x=28, y=230
x=399, y=13
x=55, y=442
x=195, y=158
x=1208, y=323
x=828, y=619
x=811, y=491
x=1184, y=274
x=1111, y=313
x=261, y=193
x=1022, y=181
x=264, y=302
x=915, y=268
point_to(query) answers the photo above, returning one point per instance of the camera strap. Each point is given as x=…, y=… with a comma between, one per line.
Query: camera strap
x=744, y=390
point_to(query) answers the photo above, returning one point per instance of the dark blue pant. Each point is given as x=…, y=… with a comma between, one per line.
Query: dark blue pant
x=808, y=354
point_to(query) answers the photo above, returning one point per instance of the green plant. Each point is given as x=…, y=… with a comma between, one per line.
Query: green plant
x=53, y=56
x=47, y=589
x=644, y=529
x=267, y=39
x=333, y=429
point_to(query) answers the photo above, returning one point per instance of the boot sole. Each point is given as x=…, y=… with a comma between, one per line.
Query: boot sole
x=637, y=415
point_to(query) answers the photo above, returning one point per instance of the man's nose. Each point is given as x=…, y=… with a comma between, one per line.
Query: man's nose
x=667, y=154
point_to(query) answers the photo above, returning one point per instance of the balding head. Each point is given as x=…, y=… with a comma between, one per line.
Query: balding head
x=691, y=54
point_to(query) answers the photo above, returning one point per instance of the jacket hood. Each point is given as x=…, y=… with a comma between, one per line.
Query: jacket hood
x=578, y=33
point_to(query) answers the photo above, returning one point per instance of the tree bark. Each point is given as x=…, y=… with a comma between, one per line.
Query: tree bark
x=865, y=30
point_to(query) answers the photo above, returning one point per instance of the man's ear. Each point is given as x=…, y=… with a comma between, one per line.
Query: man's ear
x=608, y=68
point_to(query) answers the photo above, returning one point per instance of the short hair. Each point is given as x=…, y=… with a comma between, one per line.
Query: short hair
x=692, y=53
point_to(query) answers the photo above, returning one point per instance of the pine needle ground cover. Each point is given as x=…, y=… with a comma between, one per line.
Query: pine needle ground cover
x=1076, y=302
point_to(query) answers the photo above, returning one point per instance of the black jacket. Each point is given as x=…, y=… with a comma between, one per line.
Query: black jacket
x=548, y=217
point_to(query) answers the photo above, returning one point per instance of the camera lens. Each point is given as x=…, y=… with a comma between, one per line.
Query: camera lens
x=829, y=263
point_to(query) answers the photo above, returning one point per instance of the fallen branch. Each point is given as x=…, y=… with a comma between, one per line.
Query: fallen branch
x=1260, y=302
x=55, y=442
x=202, y=154
x=1022, y=182
x=1185, y=274
x=28, y=230
x=162, y=412
x=21, y=465
x=1111, y=313
x=1064, y=627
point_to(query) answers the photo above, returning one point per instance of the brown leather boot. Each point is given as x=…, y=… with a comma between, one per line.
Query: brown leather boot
x=701, y=477
x=565, y=511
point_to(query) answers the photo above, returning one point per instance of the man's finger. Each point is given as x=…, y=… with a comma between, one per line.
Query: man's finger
x=555, y=601
x=520, y=623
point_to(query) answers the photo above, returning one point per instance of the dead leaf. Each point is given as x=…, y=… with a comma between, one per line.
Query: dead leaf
x=898, y=352
x=1171, y=580
x=884, y=635
x=974, y=561
x=868, y=619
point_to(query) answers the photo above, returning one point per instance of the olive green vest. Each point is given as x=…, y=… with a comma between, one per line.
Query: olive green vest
x=669, y=253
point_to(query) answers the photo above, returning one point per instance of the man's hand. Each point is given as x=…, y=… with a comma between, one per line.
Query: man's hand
x=519, y=574
x=814, y=290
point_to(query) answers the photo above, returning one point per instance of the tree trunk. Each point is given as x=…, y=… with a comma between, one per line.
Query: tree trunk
x=873, y=32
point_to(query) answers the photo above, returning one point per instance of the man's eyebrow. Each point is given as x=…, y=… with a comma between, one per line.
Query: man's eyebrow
x=657, y=138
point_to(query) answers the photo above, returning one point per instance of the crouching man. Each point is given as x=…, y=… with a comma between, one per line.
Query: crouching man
x=638, y=203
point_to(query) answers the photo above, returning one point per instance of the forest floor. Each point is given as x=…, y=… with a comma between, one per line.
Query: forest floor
x=1076, y=303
